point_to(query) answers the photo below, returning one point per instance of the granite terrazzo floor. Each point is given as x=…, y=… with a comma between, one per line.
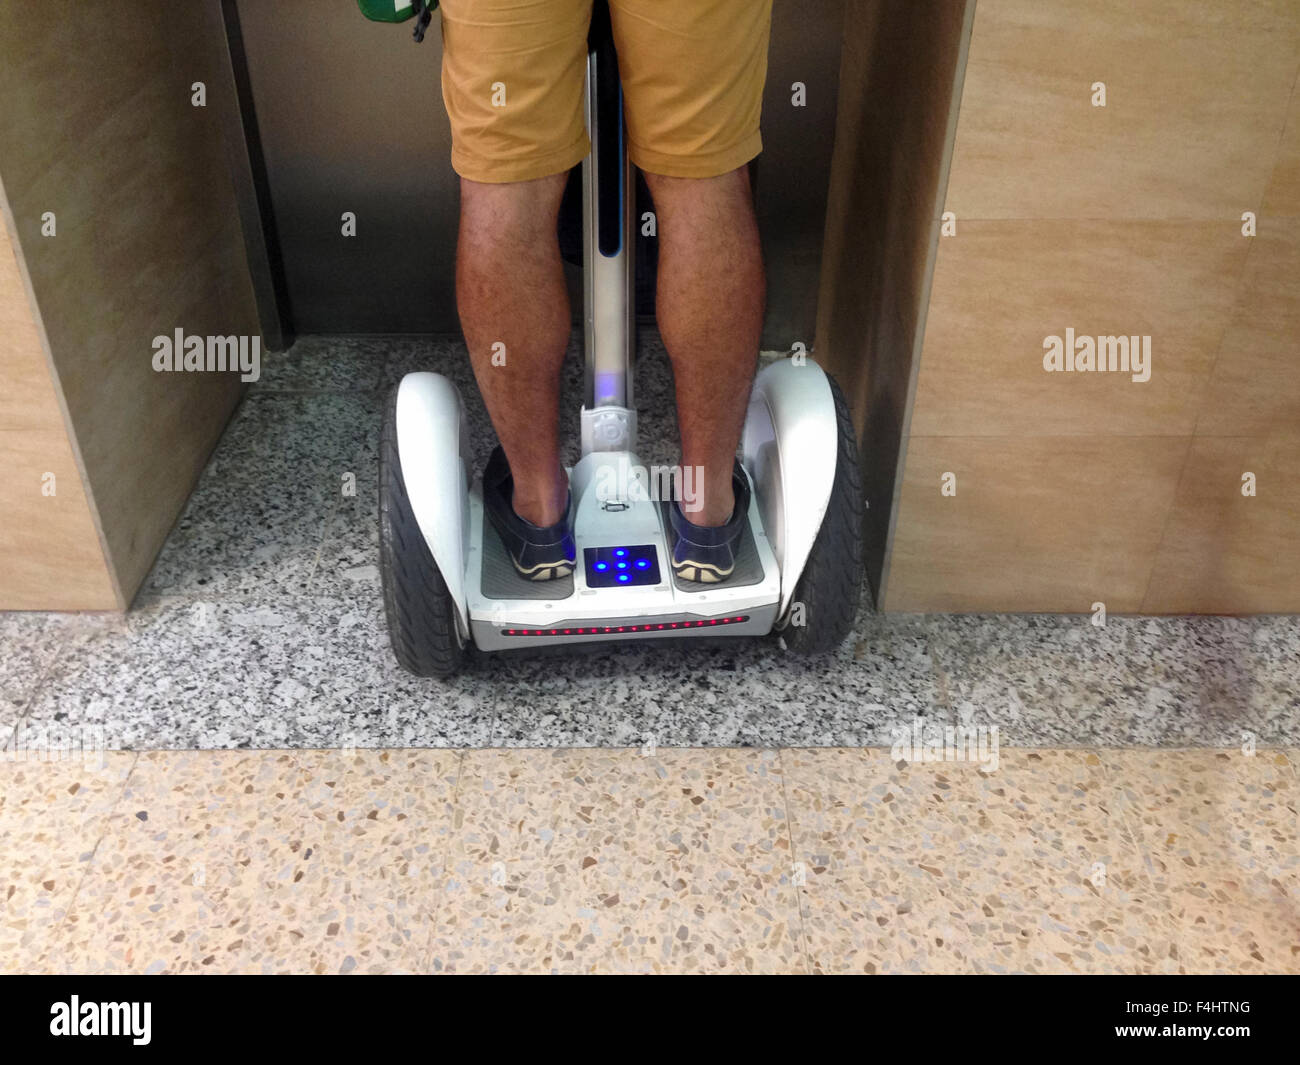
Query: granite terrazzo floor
x=236, y=777
x=261, y=626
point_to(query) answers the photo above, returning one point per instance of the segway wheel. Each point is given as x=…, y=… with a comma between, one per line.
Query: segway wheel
x=829, y=588
x=421, y=615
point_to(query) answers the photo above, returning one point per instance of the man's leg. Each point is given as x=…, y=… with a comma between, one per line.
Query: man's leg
x=512, y=78
x=514, y=310
x=693, y=76
x=710, y=300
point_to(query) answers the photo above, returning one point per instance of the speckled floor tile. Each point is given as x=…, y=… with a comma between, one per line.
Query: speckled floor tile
x=348, y=561
x=941, y=867
x=1219, y=835
x=608, y=696
x=347, y=566
x=1274, y=677
x=278, y=672
x=329, y=363
x=31, y=646
x=260, y=510
x=309, y=861
x=1057, y=680
x=650, y=860
x=615, y=861
x=28, y=643
x=52, y=813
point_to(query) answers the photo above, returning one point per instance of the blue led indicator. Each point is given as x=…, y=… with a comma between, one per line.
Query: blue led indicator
x=631, y=565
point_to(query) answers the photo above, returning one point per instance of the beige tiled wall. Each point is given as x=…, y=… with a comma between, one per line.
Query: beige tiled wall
x=1127, y=219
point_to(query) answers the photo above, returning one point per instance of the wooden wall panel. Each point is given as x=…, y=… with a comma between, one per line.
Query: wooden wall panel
x=1128, y=219
x=899, y=84
x=1001, y=288
x=27, y=395
x=1255, y=386
x=1224, y=552
x=1042, y=525
x=1282, y=197
x=50, y=552
x=1196, y=96
x=100, y=129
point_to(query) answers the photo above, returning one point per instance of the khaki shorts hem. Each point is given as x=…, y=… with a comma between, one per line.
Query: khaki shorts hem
x=698, y=164
x=499, y=172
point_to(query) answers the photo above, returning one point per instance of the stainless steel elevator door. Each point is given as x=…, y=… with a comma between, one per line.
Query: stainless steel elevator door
x=350, y=118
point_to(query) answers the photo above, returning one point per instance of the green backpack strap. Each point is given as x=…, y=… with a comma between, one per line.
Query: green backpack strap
x=400, y=11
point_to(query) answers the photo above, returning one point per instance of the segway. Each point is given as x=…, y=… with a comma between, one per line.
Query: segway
x=448, y=581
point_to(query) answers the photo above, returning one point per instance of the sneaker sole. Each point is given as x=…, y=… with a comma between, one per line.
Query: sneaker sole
x=701, y=573
x=544, y=571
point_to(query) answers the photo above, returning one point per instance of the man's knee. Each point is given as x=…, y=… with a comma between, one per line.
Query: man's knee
x=731, y=186
x=515, y=212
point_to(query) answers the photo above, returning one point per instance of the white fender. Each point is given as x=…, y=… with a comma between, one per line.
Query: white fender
x=790, y=446
x=433, y=444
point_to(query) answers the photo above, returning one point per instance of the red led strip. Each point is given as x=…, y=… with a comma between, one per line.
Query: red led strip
x=614, y=630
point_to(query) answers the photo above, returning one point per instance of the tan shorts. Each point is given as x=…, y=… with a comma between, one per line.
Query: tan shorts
x=692, y=72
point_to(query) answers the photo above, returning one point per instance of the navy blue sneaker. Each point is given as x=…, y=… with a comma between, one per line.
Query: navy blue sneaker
x=540, y=553
x=707, y=553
